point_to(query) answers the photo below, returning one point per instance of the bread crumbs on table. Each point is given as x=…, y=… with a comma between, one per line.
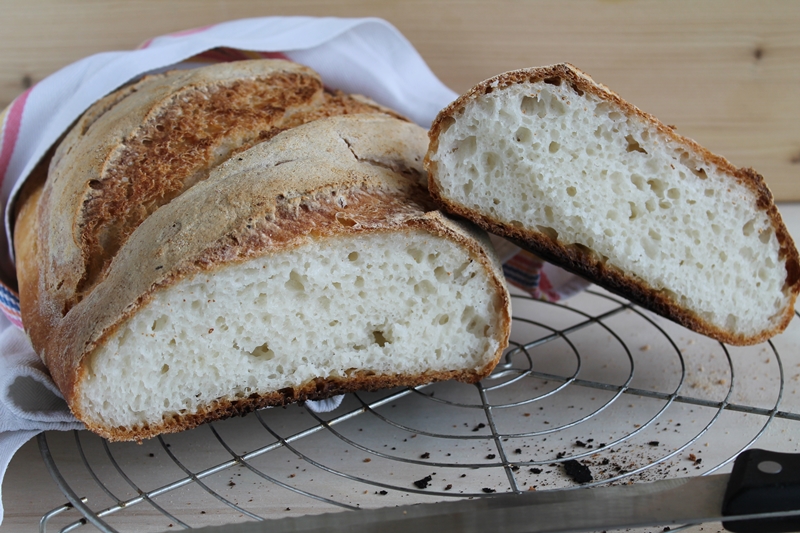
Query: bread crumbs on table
x=423, y=483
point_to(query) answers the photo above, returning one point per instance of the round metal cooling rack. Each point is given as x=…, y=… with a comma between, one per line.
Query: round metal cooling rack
x=594, y=391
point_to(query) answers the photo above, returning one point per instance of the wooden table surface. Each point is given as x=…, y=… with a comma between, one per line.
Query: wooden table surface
x=725, y=72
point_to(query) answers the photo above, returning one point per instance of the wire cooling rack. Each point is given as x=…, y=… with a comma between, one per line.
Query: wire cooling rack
x=594, y=391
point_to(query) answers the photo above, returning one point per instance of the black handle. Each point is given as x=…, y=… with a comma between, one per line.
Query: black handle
x=763, y=482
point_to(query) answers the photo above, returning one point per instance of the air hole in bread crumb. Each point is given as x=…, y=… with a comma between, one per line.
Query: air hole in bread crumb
x=572, y=191
x=554, y=147
x=345, y=220
x=295, y=282
x=633, y=145
x=416, y=254
x=159, y=323
x=531, y=105
x=262, y=352
x=353, y=256
x=523, y=135
x=638, y=181
x=466, y=147
x=553, y=81
x=491, y=161
x=635, y=211
x=749, y=228
x=165, y=369
x=657, y=186
x=549, y=232
x=468, y=186
x=380, y=339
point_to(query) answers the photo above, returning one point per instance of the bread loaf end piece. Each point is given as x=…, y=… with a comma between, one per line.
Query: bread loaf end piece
x=560, y=164
x=309, y=265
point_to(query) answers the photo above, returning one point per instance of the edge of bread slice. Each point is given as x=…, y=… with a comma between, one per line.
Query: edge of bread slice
x=309, y=265
x=566, y=168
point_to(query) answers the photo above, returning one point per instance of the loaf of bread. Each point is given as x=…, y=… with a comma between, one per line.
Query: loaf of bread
x=213, y=241
x=561, y=165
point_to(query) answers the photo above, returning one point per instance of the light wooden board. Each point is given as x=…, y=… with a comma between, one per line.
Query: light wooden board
x=725, y=72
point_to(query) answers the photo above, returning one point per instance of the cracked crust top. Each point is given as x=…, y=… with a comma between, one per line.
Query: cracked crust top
x=146, y=144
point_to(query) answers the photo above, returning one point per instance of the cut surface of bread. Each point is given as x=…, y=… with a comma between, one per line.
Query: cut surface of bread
x=333, y=315
x=560, y=164
x=311, y=264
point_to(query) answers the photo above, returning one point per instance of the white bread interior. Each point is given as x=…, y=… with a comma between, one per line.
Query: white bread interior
x=400, y=303
x=558, y=162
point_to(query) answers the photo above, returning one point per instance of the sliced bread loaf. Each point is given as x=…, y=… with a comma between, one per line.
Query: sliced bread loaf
x=311, y=264
x=566, y=168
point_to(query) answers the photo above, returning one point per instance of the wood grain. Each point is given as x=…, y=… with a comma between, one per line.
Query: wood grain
x=725, y=72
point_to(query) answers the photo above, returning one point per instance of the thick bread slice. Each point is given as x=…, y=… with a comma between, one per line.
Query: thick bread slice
x=565, y=167
x=309, y=265
x=147, y=143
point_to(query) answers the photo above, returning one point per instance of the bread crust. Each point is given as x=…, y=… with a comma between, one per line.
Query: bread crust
x=347, y=175
x=582, y=261
x=144, y=145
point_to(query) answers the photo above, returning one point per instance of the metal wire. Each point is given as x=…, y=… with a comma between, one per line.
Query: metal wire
x=512, y=387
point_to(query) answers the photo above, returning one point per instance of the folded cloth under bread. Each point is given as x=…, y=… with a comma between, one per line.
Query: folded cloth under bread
x=363, y=56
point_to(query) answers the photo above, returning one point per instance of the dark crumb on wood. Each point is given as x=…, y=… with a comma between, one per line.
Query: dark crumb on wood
x=653, y=443
x=487, y=490
x=423, y=483
x=479, y=426
x=491, y=456
x=579, y=472
x=448, y=487
x=425, y=455
x=382, y=492
x=535, y=470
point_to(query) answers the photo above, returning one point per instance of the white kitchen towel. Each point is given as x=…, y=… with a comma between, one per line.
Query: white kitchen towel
x=366, y=56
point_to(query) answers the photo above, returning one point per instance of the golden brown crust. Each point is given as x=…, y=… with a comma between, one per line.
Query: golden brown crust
x=140, y=147
x=581, y=261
